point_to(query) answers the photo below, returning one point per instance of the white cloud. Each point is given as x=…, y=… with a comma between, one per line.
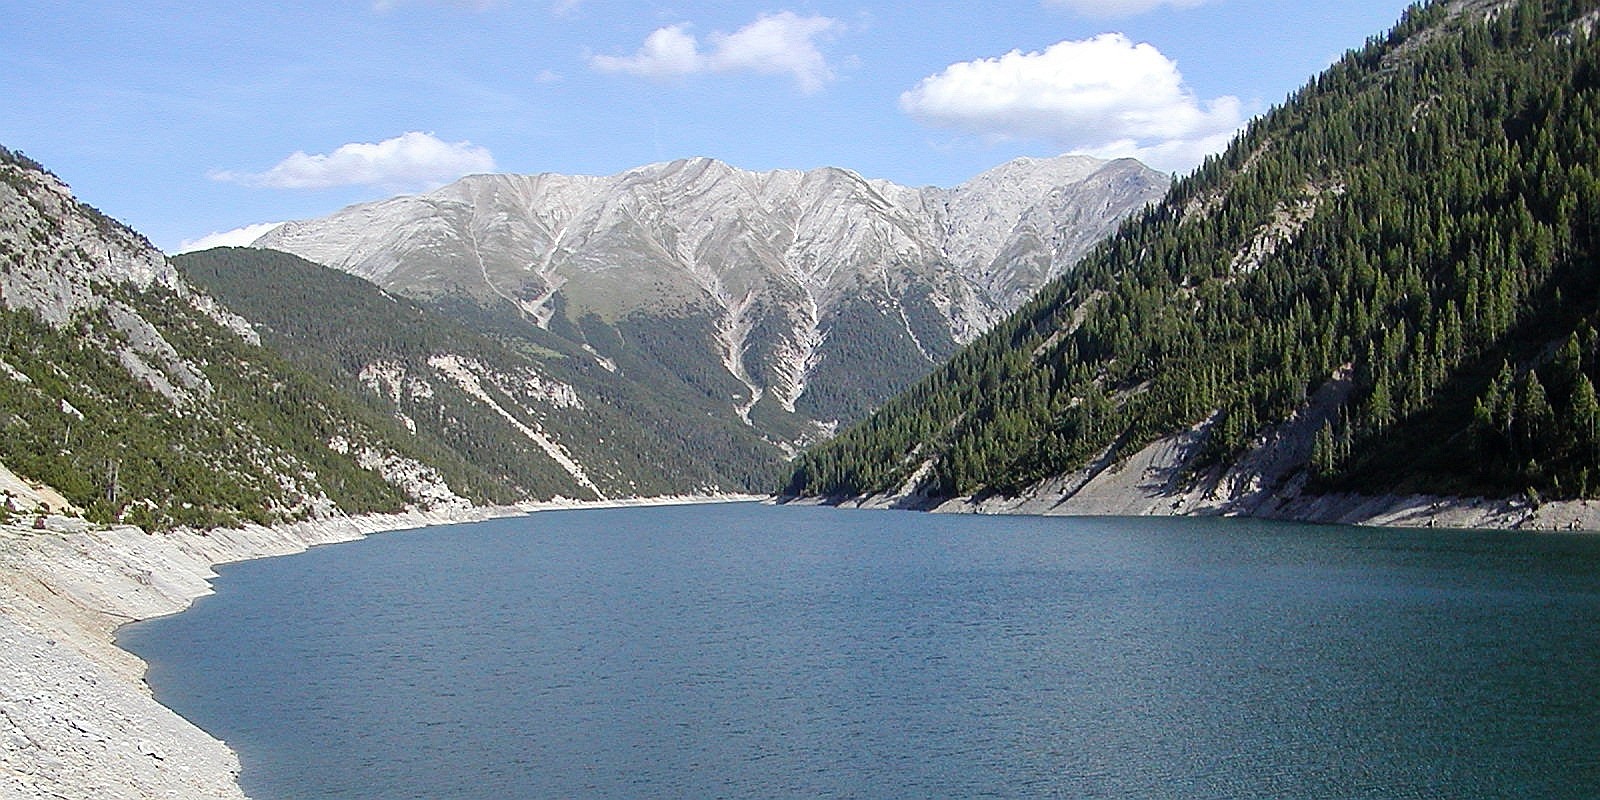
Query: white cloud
x=667, y=53
x=775, y=44
x=409, y=161
x=1119, y=8
x=238, y=237
x=1106, y=96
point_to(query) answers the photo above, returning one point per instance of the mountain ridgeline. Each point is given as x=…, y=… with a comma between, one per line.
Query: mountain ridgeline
x=1387, y=284
x=775, y=305
x=685, y=329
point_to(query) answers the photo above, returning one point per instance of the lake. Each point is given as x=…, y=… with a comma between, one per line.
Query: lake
x=749, y=651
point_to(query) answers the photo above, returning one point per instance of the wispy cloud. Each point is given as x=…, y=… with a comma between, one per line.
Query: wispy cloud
x=411, y=160
x=775, y=44
x=238, y=237
x=1105, y=96
x=1119, y=8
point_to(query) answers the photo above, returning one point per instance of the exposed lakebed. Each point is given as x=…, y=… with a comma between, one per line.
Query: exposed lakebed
x=751, y=651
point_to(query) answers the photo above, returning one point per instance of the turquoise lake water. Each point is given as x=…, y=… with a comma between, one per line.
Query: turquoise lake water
x=747, y=651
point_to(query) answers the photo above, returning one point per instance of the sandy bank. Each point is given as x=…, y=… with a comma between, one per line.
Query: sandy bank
x=76, y=718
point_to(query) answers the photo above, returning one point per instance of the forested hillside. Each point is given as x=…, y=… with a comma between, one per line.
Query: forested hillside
x=141, y=400
x=1414, y=233
x=502, y=403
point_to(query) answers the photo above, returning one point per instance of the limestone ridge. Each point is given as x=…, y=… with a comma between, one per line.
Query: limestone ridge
x=810, y=295
x=60, y=259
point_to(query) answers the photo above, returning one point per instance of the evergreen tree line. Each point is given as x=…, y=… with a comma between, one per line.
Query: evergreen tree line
x=71, y=416
x=333, y=325
x=1421, y=218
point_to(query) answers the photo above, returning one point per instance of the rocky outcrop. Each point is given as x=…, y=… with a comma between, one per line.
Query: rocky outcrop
x=58, y=253
x=62, y=259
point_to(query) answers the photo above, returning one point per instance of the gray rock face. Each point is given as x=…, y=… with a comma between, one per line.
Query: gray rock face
x=57, y=251
x=61, y=259
x=79, y=271
x=785, y=280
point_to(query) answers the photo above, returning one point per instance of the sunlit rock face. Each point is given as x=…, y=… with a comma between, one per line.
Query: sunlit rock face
x=812, y=293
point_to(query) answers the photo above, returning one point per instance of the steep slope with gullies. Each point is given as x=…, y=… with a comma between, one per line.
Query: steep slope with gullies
x=128, y=395
x=787, y=300
x=541, y=419
x=1384, y=287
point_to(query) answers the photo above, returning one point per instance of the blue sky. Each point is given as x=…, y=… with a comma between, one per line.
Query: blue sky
x=184, y=119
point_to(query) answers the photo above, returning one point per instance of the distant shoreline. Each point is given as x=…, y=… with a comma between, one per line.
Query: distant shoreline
x=75, y=711
x=1383, y=511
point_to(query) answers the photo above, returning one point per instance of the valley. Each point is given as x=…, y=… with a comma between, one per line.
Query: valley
x=1375, y=305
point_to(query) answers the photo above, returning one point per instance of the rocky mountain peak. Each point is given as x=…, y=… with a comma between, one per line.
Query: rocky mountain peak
x=788, y=278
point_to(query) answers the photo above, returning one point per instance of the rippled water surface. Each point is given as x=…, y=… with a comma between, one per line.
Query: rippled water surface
x=756, y=652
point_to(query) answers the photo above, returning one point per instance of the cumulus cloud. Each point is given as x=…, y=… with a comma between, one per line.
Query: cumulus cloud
x=238, y=237
x=775, y=44
x=1119, y=8
x=1106, y=96
x=667, y=53
x=409, y=161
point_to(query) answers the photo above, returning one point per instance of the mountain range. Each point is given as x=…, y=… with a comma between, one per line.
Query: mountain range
x=789, y=300
x=680, y=328
x=1383, y=287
